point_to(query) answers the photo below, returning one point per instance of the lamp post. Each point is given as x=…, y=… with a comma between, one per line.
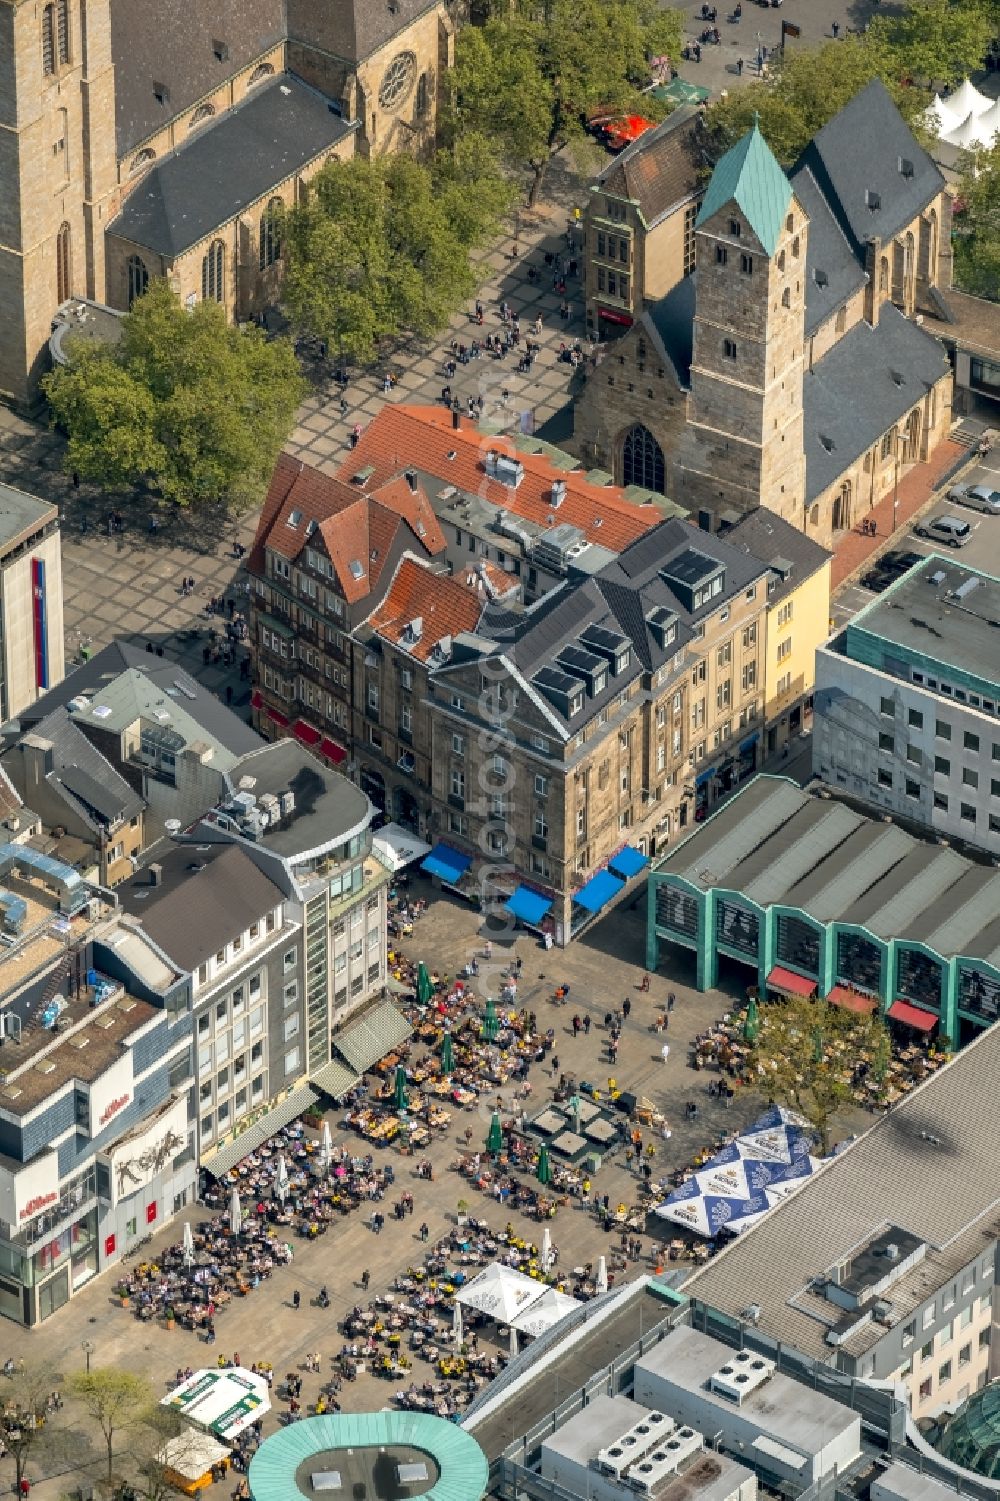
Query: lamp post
x=87, y=1346
x=899, y=439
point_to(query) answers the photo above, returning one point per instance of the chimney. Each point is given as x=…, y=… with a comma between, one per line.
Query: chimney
x=155, y=875
x=411, y=480
x=456, y=419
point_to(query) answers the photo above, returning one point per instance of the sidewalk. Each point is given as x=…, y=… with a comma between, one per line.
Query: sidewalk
x=915, y=488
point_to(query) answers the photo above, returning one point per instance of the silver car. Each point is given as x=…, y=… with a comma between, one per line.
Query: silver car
x=977, y=498
x=951, y=530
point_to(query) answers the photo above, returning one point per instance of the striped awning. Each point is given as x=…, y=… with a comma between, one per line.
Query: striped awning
x=335, y=1079
x=255, y=1135
x=363, y=1042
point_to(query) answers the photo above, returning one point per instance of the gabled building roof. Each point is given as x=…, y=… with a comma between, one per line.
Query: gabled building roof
x=228, y=165
x=749, y=176
x=84, y=778
x=870, y=168
x=833, y=272
x=660, y=170
x=423, y=609
x=425, y=439
x=792, y=555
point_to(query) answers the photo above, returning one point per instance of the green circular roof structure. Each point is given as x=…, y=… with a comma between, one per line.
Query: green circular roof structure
x=972, y=1437
x=326, y=1457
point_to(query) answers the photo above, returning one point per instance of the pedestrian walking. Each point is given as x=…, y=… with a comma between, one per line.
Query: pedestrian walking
x=586, y=1025
x=577, y=1024
x=626, y=1007
x=296, y=1298
x=645, y=983
x=665, y=1051
x=671, y=999
x=366, y=1277
x=424, y=1232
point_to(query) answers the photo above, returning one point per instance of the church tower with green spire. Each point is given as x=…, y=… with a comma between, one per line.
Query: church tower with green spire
x=743, y=445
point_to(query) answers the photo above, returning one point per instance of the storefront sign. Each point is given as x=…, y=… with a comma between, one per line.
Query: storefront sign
x=144, y=1152
x=111, y=1093
x=37, y=1204
x=113, y=1109
x=30, y=1189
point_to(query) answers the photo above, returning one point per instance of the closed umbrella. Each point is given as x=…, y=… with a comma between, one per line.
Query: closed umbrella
x=543, y=1172
x=447, y=1058
x=402, y=1099
x=494, y=1141
x=546, y=1247
x=188, y=1246
x=425, y=989
x=456, y=1322
x=817, y=1044
x=601, y=1282
x=281, y=1180
x=325, y=1149
x=491, y=1022
x=513, y=1341
x=751, y=1022
x=235, y=1213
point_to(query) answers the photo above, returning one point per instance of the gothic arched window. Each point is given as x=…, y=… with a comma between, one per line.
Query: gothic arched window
x=138, y=277
x=642, y=460
x=213, y=262
x=64, y=264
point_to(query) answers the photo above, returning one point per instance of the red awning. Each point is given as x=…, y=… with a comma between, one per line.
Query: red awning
x=332, y=751
x=789, y=982
x=610, y=316
x=256, y=699
x=306, y=732
x=841, y=995
x=276, y=717
x=913, y=1016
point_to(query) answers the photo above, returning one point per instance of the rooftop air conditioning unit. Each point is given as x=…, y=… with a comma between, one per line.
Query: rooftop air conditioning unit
x=742, y=1374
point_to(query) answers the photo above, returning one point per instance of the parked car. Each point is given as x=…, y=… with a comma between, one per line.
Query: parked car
x=890, y=567
x=977, y=498
x=951, y=530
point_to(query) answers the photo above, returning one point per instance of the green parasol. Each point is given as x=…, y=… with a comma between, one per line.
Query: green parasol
x=402, y=1099
x=425, y=990
x=494, y=1141
x=447, y=1061
x=491, y=1023
x=817, y=1044
x=751, y=1023
x=543, y=1172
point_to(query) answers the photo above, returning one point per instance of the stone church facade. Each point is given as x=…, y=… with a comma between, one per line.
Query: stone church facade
x=790, y=369
x=140, y=142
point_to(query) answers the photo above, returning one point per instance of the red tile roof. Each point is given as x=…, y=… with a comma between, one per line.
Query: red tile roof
x=367, y=522
x=443, y=606
x=488, y=579
x=424, y=436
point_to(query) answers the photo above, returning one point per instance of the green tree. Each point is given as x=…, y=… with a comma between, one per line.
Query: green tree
x=118, y=1401
x=381, y=247
x=194, y=408
x=532, y=76
x=806, y=1052
x=25, y=1419
x=976, y=226
x=936, y=41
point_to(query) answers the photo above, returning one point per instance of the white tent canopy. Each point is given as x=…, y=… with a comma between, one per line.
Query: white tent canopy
x=967, y=100
x=973, y=131
x=939, y=117
x=396, y=847
x=547, y=1310
x=192, y=1454
x=965, y=119
x=500, y=1292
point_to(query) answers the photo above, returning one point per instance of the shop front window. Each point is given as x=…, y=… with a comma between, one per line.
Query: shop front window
x=978, y=993
x=798, y=944
x=859, y=962
x=919, y=978
x=737, y=928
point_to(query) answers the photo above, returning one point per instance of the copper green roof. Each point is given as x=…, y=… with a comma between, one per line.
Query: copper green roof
x=749, y=176
x=464, y=1471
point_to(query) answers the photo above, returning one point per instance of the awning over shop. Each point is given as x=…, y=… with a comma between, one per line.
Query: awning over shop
x=335, y=1079
x=262, y=1130
x=749, y=743
x=306, y=732
x=789, y=982
x=628, y=862
x=373, y=1035
x=256, y=699
x=276, y=717
x=332, y=751
x=447, y=863
x=598, y=891
x=530, y=906
x=704, y=776
x=850, y=1000
x=913, y=1016
x=396, y=847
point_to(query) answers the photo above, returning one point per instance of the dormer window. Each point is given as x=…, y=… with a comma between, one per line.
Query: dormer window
x=575, y=704
x=735, y=228
x=873, y=200
x=294, y=519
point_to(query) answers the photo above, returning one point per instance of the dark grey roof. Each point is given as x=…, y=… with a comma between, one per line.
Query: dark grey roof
x=207, y=895
x=352, y=29
x=173, y=44
x=866, y=383
x=833, y=273
x=82, y=775
x=867, y=148
x=770, y=538
x=672, y=320
x=108, y=802
x=220, y=723
x=228, y=165
x=328, y=807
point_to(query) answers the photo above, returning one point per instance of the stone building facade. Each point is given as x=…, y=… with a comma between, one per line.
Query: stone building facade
x=97, y=97
x=795, y=373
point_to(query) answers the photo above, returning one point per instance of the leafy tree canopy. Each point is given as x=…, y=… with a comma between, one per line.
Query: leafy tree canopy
x=976, y=226
x=117, y=1401
x=532, y=76
x=185, y=403
x=381, y=247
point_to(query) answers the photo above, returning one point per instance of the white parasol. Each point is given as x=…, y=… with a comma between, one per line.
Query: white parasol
x=601, y=1282
x=187, y=1248
x=235, y=1212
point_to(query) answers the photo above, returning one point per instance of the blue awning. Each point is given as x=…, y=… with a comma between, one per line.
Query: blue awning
x=628, y=862
x=447, y=863
x=528, y=905
x=749, y=743
x=598, y=891
x=704, y=776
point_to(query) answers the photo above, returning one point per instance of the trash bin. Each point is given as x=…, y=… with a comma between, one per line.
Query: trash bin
x=85, y=653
